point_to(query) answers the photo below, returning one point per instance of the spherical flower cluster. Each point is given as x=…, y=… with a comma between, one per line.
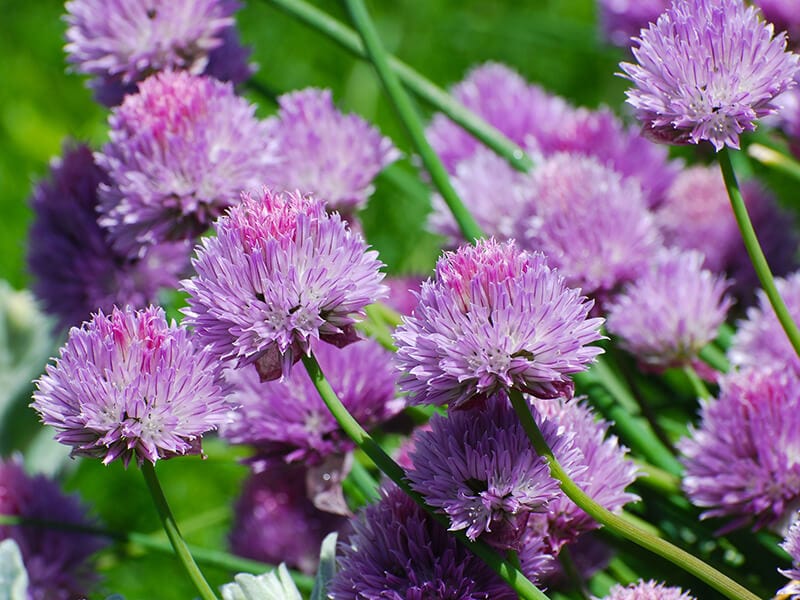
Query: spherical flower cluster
x=286, y=421
x=707, y=69
x=120, y=42
x=75, y=269
x=647, y=590
x=180, y=152
x=760, y=339
x=479, y=468
x=131, y=386
x=741, y=461
x=279, y=273
x=57, y=560
x=398, y=552
x=494, y=318
x=322, y=151
x=666, y=316
x=593, y=225
x=276, y=522
x=792, y=545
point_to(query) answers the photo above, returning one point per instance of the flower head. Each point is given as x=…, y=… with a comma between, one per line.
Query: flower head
x=57, y=560
x=591, y=223
x=622, y=19
x=286, y=421
x=322, y=151
x=647, y=590
x=131, y=386
x=666, y=316
x=279, y=273
x=121, y=42
x=276, y=522
x=706, y=70
x=478, y=467
x=76, y=271
x=494, y=318
x=792, y=545
x=398, y=552
x=180, y=152
x=742, y=461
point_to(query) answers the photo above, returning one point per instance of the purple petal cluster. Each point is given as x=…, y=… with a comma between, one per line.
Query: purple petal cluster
x=403, y=292
x=666, y=316
x=494, y=318
x=622, y=19
x=591, y=223
x=398, y=552
x=706, y=70
x=275, y=521
x=130, y=385
x=286, y=421
x=180, y=152
x=324, y=152
x=121, y=42
x=647, y=590
x=760, y=340
x=742, y=460
x=478, y=467
x=792, y=545
x=57, y=560
x=75, y=269
x=279, y=273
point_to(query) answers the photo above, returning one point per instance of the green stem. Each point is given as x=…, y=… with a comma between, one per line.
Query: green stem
x=364, y=481
x=518, y=582
x=773, y=158
x=698, y=385
x=658, y=479
x=756, y=253
x=410, y=119
x=174, y=535
x=572, y=573
x=417, y=83
x=618, y=525
x=715, y=358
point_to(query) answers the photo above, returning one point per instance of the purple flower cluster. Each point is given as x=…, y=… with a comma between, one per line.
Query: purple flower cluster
x=181, y=150
x=706, y=70
x=121, y=42
x=279, y=273
x=130, y=385
x=324, y=152
x=494, y=318
x=286, y=421
x=623, y=19
x=57, y=560
x=741, y=461
x=647, y=590
x=792, y=545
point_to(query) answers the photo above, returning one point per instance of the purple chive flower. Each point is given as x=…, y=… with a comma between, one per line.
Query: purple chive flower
x=741, y=462
x=760, y=340
x=647, y=590
x=286, y=421
x=279, y=273
x=322, y=151
x=696, y=215
x=494, y=318
x=622, y=19
x=591, y=223
x=57, y=561
x=398, y=552
x=75, y=270
x=707, y=69
x=792, y=545
x=496, y=194
x=121, y=42
x=666, y=316
x=478, y=467
x=403, y=292
x=131, y=386
x=180, y=152
x=276, y=522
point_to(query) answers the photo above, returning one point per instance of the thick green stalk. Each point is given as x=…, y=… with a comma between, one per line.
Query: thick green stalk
x=618, y=525
x=174, y=535
x=657, y=479
x=715, y=358
x=364, y=481
x=518, y=582
x=756, y=253
x=422, y=87
x=773, y=158
x=698, y=385
x=411, y=120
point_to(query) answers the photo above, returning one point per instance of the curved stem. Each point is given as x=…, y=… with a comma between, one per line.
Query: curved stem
x=756, y=253
x=410, y=119
x=518, y=582
x=417, y=83
x=615, y=523
x=715, y=358
x=698, y=385
x=174, y=535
